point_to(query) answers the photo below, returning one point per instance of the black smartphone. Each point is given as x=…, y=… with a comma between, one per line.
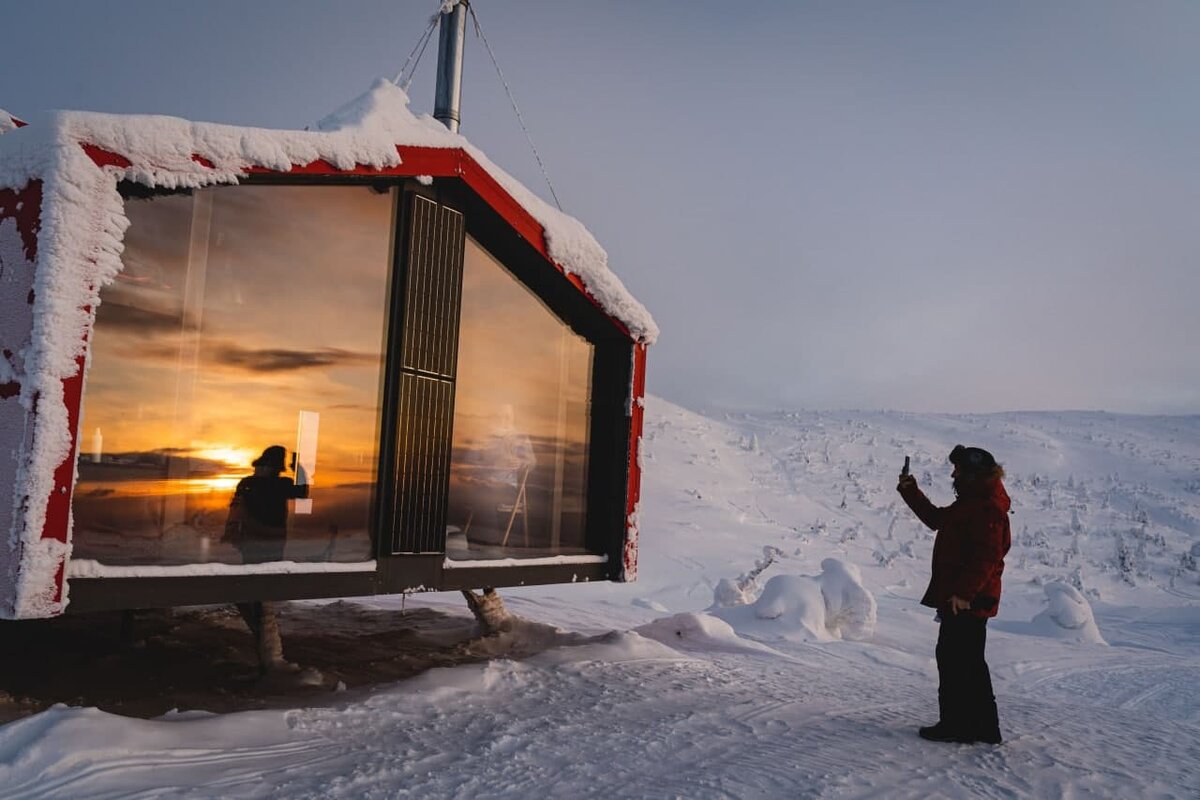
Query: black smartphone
x=905, y=470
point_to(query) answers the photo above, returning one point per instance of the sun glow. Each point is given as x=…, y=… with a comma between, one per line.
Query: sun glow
x=230, y=455
x=221, y=483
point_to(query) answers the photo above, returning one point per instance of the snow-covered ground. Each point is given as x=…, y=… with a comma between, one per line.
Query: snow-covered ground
x=771, y=647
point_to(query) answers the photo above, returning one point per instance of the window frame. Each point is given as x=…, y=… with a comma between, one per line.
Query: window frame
x=610, y=422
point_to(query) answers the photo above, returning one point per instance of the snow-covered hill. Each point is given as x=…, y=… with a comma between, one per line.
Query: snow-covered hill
x=1108, y=503
x=772, y=646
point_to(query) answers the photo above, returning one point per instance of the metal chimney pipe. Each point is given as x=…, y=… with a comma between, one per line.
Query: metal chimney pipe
x=452, y=38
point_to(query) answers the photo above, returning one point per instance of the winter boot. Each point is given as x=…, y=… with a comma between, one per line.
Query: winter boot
x=942, y=732
x=264, y=625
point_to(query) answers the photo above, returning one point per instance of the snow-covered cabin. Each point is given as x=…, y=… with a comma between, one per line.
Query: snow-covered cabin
x=253, y=364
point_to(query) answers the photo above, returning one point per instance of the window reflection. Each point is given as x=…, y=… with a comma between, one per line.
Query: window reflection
x=246, y=321
x=521, y=421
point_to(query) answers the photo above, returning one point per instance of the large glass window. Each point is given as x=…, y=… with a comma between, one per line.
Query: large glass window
x=521, y=420
x=232, y=403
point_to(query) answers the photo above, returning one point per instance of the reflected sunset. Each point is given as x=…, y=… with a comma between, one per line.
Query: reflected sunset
x=239, y=308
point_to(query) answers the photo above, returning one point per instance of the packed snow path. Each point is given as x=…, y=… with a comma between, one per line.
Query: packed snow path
x=624, y=716
x=652, y=697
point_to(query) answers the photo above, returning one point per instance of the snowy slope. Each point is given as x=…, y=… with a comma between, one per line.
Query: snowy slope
x=642, y=692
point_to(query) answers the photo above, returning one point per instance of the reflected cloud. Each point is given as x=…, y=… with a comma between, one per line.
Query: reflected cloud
x=275, y=359
x=235, y=356
x=131, y=465
x=141, y=321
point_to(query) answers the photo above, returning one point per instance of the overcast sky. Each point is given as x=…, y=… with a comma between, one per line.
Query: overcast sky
x=934, y=206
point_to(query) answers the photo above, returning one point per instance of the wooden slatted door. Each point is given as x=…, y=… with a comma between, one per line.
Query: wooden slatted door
x=432, y=287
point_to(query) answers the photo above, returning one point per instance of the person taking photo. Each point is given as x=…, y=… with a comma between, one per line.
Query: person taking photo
x=972, y=539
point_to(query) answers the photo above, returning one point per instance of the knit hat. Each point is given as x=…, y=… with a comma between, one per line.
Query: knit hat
x=273, y=456
x=972, y=459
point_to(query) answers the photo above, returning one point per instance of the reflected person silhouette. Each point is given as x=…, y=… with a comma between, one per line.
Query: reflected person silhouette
x=502, y=466
x=257, y=524
x=509, y=451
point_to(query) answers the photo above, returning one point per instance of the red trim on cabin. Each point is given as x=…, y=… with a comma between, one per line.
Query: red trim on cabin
x=58, y=504
x=202, y=161
x=58, y=508
x=60, y=576
x=105, y=158
x=634, y=492
x=498, y=198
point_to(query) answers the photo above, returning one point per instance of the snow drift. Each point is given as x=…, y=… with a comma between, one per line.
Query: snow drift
x=1068, y=615
x=831, y=605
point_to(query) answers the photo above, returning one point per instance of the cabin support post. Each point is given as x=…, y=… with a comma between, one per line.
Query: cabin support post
x=264, y=625
x=489, y=611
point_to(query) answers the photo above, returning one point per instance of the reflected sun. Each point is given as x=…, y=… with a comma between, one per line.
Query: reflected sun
x=231, y=456
x=220, y=483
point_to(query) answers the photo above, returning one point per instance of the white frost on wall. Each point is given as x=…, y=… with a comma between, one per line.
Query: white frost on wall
x=629, y=555
x=79, y=248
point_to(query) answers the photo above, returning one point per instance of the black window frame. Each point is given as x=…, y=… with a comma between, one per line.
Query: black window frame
x=610, y=421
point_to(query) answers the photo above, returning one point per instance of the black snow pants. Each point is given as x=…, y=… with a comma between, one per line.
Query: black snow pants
x=965, y=699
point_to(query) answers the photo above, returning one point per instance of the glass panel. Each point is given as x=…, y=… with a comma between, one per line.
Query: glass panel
x=518, y=484
x=232, y=402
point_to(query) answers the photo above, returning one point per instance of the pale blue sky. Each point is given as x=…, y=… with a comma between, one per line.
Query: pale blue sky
x=930, y=206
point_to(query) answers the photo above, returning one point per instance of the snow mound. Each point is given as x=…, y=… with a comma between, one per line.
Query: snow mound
x=615, y=647
x=451, y=684
x=1068, y=616
x=697, y=631
x=729, y=594
x=382, y=107
x=832, y=605
x=849, y=607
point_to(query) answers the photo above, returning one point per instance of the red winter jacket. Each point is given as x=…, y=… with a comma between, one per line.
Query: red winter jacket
x=968, y=554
